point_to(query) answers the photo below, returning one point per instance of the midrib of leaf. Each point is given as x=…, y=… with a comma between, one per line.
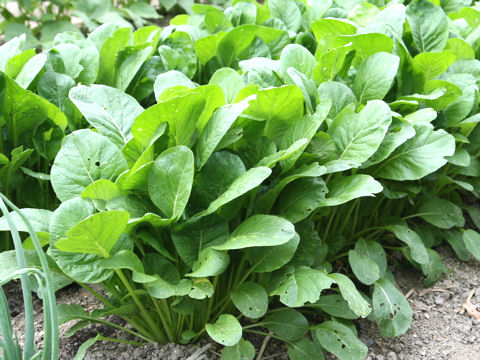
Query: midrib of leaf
x=350, y=144
x=403, y=153
x=364, y=89
x=81, y=158
x=96, y=243
x=386, y=297
x=117, y=126
x=421, y=38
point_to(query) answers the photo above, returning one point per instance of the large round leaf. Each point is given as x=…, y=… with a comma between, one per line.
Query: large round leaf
x=109, y=110
x=226, y=330
x=251, y=299
x=340, y=341
x=85, y=157
x=390, y=308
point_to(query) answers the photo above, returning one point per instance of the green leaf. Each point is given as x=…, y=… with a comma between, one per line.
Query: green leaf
x=229, y=81
x=210, y=262
x=390, y=308
x=251, y=299
x=82, y=350
x=288, y=324
x=30, y=70
x=442, y=213
x=427, y=66
x=472, y=242
x=283, y=155
x=368, y=261
x=429, y=25
x=419, y=156
x=227, y=331
x=170, y=181
x=299, y=199
x=266, y=201
x=107, y=109
x=124, y=259
x=278, y=107
x=128, y=62
x=24, y=111
x=39, y=219
x=15, y=64
x=455, y=240
x=339, y=94
x=303, y=129
x=340, y=341
x=411, y=238
x=80, y=267
x=193, y=236
x=296, y=56
x=181, y=113
x=342, y=189
x=270, y=258
x=220, y=171
x=358, y=136
x=102, y=189
x=243, y=350
x=349, y=292
x=85, y=157
x=10, y=49
x=302, y=285
x=95, y=235
x=305, y=349
x=286, y=11
x=115, y=42
x=216, y=128
x=248, y=181
x=434, y=268
x=398, y=133
x=336, y=306
x=55, y=88
x=375, y=76
x=170, y=79
x=201, y=289
x=259, y=230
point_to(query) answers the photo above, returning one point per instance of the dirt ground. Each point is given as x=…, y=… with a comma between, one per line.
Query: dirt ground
x=439, y=330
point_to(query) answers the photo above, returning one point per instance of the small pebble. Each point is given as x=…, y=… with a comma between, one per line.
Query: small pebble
x=439, y=300
x=391, y=356
x=369, y=342
x=380, y=357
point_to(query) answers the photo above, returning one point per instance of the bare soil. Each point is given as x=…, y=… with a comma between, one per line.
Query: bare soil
x=439, y=331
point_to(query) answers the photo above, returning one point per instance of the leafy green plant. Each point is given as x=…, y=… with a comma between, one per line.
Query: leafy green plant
x=42, y=20
x=250, y=170
x=31, y=278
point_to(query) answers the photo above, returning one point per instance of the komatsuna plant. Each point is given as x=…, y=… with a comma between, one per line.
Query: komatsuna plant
x=318, y=141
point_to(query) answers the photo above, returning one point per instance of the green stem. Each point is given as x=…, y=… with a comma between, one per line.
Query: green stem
x=330, y=220
x=417, y=215
x=210, y=301
x=164, y=321
x=156, y=330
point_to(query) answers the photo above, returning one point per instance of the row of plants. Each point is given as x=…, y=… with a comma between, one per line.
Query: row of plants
x=250, y=169
x=41, y=20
